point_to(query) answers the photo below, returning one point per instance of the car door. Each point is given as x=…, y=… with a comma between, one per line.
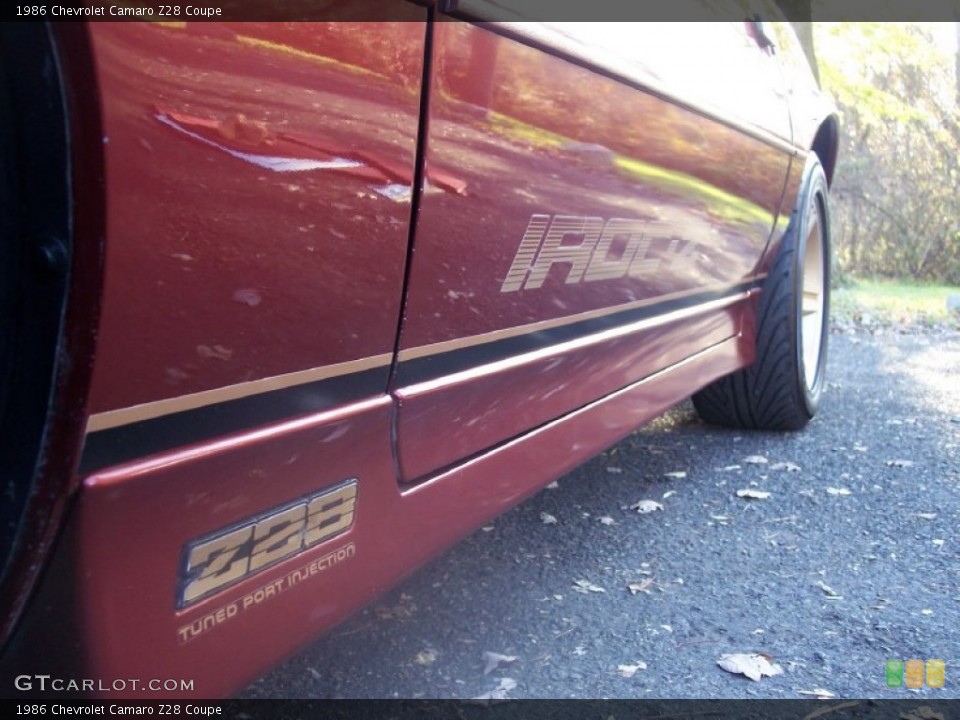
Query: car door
x=604, y=195
x=259, y=180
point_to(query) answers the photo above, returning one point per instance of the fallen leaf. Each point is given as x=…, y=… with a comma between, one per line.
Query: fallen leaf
x=500, y=691
x=628, y=671
x=753, y=665
x=827, y=589
x=425, y=657
x=607, y=520
x=788, y=466
x=753, y=494
x=491, y=660
x=818, y=693
x=548, y=519
x=838, y=491
x=585, y=586
x=639, y=587
x=755, y=460
x=677, y=475
x=899, y=463
x=646, y=506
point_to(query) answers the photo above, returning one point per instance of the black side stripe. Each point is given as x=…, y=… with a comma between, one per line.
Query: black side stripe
x=113, y=446
x=435, y=366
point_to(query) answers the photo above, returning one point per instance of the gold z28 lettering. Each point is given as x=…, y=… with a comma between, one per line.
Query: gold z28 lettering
x=608, y=250
x=213, y=563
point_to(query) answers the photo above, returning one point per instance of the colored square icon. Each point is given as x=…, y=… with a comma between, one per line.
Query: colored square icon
x=914, y=674
x=935, y=673
x=894, y=672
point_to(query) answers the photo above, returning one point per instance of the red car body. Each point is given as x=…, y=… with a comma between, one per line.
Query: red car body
x=342, y=292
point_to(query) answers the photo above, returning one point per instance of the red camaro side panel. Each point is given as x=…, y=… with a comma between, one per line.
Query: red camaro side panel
x=366, y=286
x=259, y=181
x=259, y=184
x=588, y=206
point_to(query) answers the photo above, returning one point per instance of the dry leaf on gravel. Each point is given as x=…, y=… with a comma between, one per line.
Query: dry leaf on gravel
x=838, y=491
x=639, y=587
x=425, y=657
x=753, y=494
x=753, y=665
x=827, y=589
x=548, y=519
x=755, y=460
x=585, y=586
x=899, y=463
x=646, y=506
x=500, y=691
x=607, y=520
x=628, y=671
x=491, y=660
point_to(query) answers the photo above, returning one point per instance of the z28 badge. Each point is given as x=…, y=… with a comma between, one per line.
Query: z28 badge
x=235, y=553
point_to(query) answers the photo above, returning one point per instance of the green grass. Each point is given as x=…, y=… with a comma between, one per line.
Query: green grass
x=899, y=302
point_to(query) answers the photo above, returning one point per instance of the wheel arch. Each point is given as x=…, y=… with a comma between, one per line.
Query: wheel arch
x=826, y=144
x=57, y=240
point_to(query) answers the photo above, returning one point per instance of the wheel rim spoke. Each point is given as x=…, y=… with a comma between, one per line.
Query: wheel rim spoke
x=812, y=301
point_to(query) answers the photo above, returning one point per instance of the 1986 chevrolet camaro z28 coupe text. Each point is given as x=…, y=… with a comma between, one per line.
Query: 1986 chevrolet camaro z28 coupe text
x=290, y=307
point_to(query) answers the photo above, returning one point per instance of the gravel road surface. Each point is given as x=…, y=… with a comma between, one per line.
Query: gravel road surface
x=850, y=560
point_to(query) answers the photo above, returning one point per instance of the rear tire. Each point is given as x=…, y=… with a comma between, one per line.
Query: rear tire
x=781, y=390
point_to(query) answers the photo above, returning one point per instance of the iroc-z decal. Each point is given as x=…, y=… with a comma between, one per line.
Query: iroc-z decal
x=233, y=554
x=608, y=249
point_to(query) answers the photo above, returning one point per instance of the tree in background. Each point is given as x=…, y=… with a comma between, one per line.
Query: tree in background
x=897, y=189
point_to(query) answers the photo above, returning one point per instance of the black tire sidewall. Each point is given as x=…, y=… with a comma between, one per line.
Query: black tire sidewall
x=812, y=203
